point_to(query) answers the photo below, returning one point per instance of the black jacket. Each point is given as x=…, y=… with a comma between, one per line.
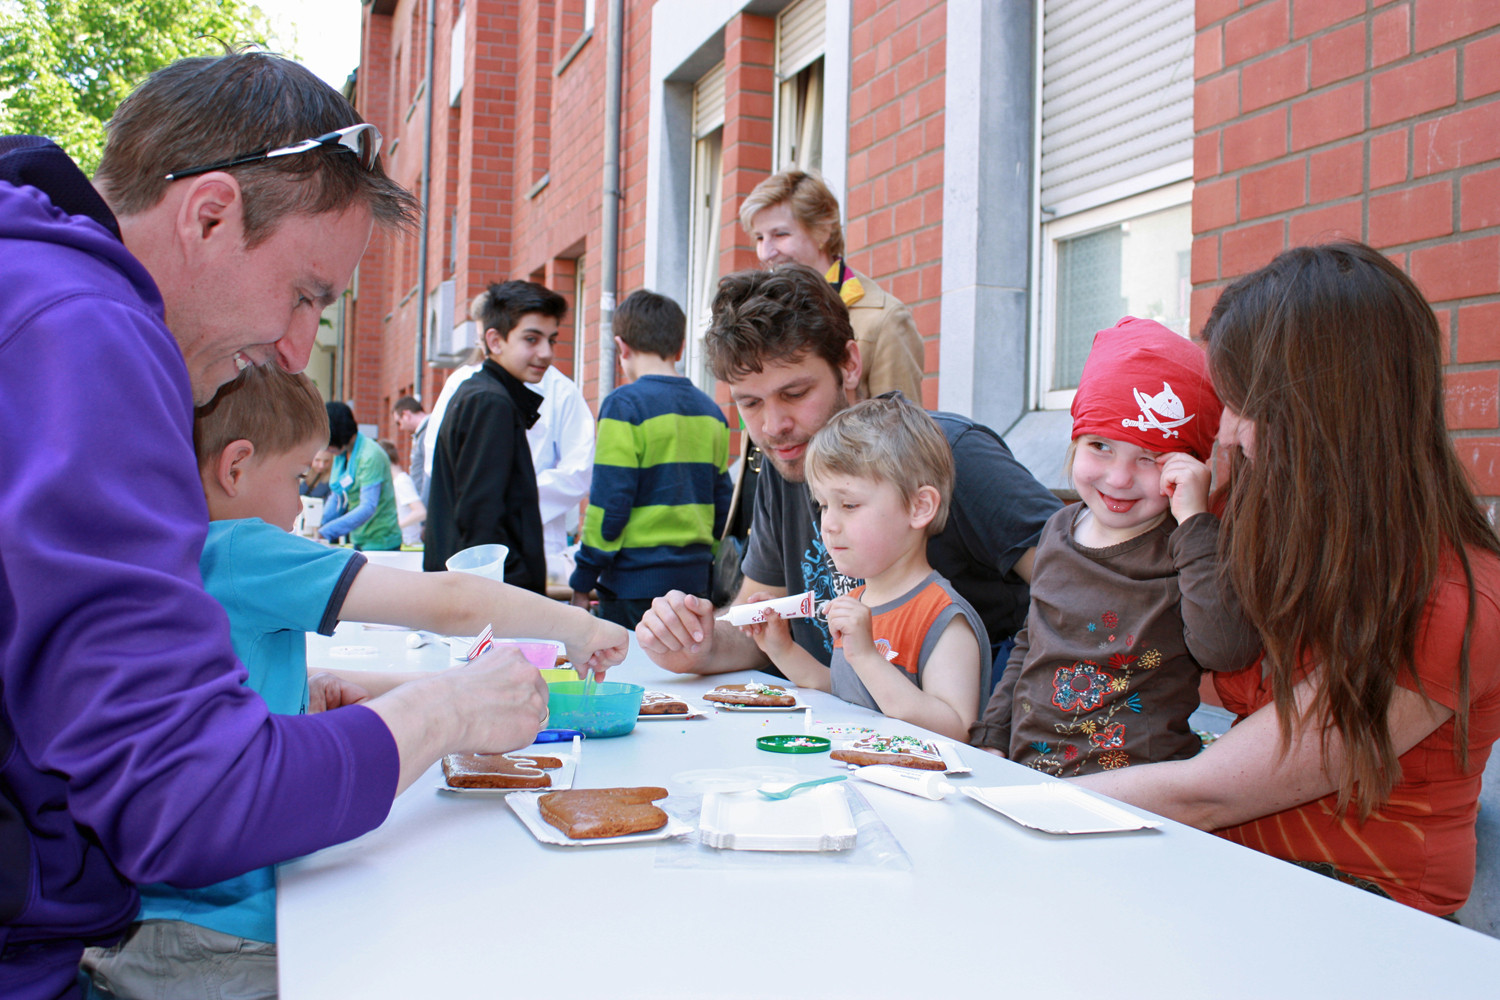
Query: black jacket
x=483, y=486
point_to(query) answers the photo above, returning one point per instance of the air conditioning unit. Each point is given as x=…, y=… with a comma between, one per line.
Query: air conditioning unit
x=448, y=343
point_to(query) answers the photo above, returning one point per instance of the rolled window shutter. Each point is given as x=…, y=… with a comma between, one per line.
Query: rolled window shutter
x=799, y=37
x=708, y=102
x=1117, y=92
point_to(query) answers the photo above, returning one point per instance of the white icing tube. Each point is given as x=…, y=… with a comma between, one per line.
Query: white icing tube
x=794, y=606
x=928, y=784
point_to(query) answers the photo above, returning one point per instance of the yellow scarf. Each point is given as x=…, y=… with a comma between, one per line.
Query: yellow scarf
x=843, y=280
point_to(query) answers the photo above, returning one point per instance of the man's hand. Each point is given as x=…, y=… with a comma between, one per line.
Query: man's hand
x=327, y=691
x=501, y=701
x=495, y=704
x=774, y=634
x=678, y=632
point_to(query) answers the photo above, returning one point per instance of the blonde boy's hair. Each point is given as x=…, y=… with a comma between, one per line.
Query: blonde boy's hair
x=272, y=409
x=888, y=439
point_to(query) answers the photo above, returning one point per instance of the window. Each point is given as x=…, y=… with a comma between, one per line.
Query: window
x=1115, y=168
x=799, y=98
x=800, y=123
x=1127, y=258
x=707, y=215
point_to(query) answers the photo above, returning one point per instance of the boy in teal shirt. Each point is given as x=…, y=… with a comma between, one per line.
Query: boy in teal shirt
x=254, y=441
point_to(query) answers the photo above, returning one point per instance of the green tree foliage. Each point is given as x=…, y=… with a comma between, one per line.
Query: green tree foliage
x=66, y=64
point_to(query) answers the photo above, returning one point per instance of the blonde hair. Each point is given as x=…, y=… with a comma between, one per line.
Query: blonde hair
x=812, y=204
x=887, y=439
x=272, y=409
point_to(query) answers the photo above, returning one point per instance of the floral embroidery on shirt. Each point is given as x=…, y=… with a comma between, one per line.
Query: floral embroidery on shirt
x=1081, y=686
x=1093, y=694
x=1111, y=737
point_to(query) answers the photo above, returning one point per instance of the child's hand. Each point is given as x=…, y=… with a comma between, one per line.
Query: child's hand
x=604, y=646
x=849, y=622
x=1185, y=480
x=774, y=635
x=326, y=692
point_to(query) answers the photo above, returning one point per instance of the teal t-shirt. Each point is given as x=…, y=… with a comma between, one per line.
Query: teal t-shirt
x=276, y=587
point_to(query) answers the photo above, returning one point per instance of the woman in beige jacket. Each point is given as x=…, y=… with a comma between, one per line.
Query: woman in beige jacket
x=792, y=216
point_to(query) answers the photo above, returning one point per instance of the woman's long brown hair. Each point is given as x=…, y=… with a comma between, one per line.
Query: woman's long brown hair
x=1337, y=525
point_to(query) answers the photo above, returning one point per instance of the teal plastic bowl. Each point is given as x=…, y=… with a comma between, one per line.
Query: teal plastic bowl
x=610, y=711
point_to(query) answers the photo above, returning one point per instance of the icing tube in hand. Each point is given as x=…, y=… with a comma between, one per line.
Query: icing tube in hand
x=794, y=606
x=928, y=784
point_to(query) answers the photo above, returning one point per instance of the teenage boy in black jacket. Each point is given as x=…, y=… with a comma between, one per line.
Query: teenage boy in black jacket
x=483, y=486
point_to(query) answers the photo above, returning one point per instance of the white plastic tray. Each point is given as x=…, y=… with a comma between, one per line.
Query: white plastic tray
x=817, y=819
x=524, y=804
x=1055, y=807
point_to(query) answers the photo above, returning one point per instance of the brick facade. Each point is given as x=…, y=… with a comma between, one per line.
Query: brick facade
x=894, y=205
x=1377, y=121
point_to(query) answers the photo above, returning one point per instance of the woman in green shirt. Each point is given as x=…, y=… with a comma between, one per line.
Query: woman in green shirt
x=362, y=498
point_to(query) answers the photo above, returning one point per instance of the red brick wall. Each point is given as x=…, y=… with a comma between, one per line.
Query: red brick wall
x=894, y=204
x=749, y=128
x=1378, y=121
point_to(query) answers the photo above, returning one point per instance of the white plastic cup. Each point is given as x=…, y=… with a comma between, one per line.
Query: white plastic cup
x=481, y=560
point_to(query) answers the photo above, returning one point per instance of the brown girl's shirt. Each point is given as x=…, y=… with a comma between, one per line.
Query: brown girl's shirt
x=1106, y=671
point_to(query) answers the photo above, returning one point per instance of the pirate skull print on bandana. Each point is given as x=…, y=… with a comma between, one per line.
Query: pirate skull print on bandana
x=1144, y=384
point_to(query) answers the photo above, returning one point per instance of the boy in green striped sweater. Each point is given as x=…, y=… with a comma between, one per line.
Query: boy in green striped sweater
x=661, y=487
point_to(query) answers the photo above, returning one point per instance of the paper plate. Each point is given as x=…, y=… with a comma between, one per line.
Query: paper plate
x=1057, y=807
x=525, y=806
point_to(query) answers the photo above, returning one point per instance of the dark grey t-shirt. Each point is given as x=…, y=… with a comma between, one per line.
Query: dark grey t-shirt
x=997, y=513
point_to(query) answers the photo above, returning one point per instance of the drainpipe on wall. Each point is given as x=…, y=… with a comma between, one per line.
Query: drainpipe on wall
x=419, y=354
x=610, y=238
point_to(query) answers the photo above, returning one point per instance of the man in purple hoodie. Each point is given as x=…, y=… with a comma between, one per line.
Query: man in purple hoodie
x=234, y=200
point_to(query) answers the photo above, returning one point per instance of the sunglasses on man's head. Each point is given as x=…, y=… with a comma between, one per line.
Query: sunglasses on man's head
x=363, y=140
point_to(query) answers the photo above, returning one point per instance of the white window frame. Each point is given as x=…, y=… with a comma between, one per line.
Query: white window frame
x=1077, y=224
x=793, y=137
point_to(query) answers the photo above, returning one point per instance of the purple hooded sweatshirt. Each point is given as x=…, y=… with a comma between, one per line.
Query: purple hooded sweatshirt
x=130, y=749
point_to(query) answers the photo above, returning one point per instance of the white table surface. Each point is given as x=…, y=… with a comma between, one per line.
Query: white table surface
x=452, y=897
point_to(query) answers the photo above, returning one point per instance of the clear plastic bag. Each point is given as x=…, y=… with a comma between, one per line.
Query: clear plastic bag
x=875, y=848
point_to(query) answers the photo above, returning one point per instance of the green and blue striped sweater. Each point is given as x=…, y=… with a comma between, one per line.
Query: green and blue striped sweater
x=660, y=492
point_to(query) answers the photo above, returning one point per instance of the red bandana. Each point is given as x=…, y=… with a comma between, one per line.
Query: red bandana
x=1147, y=385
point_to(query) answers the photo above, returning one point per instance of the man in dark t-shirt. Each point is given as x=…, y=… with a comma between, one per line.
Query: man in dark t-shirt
x=783, y=344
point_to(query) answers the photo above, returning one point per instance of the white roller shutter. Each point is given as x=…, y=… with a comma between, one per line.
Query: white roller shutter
x=708, y=102
x=799, y=37
x=1117, y=92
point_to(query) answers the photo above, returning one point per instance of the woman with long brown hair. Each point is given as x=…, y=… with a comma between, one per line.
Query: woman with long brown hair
x=1360, y=553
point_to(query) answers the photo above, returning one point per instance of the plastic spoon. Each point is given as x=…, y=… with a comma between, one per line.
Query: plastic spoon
x=786, y=793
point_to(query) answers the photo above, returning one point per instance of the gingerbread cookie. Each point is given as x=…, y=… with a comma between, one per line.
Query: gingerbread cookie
x=762, y=695
x=661, y=703
x=902, y=751
x=591, y=813
x=498, y=770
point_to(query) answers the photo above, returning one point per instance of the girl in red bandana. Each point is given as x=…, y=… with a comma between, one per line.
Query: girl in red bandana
x=1127, y=601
